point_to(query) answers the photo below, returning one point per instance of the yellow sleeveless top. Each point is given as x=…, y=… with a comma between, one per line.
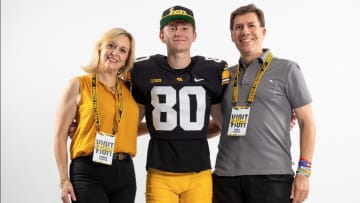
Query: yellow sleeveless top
x=84, y=138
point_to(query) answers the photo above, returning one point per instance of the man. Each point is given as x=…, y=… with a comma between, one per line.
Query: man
x=254, y=163
x=176, y=93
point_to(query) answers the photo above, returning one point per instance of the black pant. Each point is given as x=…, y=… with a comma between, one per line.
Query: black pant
x=252, y=189
x=99, y=183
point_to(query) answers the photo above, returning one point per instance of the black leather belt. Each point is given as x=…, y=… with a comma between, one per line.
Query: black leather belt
x=121, y=156
x=116, y=156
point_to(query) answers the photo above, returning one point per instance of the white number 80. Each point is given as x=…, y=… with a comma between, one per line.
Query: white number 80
x=186, y=95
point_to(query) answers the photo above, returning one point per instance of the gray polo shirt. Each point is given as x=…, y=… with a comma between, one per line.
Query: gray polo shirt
x=266, y=147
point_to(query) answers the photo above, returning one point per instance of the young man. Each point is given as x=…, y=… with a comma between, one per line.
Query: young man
x=254, y=163
x=177, y=93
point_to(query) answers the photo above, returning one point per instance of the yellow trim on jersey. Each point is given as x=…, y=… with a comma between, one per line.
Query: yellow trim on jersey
x=225, y=76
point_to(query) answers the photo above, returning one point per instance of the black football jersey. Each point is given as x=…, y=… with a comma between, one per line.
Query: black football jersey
x=177, y=108
x=178, y=102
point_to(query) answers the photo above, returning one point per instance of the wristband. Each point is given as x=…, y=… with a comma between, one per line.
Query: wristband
x=304, y=167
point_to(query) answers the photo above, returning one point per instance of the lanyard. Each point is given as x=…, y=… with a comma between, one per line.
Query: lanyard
x=119, y=100
x=254, y=86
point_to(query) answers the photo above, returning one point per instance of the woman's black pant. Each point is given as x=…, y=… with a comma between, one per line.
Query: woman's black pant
x=99, y=183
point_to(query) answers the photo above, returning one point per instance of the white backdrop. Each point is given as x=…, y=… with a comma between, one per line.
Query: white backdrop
x=44, y=43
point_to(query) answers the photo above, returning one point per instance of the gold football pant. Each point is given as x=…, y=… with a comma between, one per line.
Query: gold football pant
x=168, y=187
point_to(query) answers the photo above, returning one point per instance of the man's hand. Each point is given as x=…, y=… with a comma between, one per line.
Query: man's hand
x=72, y=129
x=300, y=189
x=293, y=120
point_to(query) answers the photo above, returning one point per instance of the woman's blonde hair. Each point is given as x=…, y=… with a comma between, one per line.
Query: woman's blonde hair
x=104, y=40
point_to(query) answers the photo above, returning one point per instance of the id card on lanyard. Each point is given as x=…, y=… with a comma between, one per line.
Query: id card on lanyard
x=105, y=142
x=104, y=148
x=239, y=120
x=240, y=115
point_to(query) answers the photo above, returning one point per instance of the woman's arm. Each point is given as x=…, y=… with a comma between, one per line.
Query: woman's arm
x=65, y=115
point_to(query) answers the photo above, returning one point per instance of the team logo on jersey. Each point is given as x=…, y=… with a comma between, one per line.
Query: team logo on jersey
x=155, y=80
x=179, y=79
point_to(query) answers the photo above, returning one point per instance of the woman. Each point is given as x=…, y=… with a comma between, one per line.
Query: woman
x=107, y=116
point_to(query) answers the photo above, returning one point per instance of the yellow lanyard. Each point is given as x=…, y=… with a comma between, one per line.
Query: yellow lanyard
x=119, y=100
x=254, y=86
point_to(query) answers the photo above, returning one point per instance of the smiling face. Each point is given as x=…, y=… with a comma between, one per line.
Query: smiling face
x=178, y=36
x=113, y=54
x=248, y=35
